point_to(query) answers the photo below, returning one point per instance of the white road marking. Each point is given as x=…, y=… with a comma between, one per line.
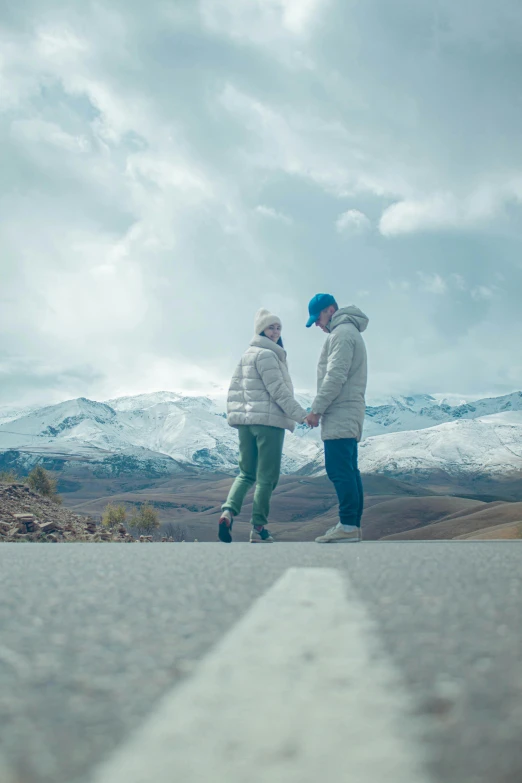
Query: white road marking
x=297, y=692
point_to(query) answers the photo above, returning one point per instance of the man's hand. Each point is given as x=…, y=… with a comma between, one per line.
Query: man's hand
x=312, y=419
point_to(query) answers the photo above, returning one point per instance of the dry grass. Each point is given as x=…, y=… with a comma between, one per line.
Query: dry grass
x=492, y=515
x=403, y=515
x=508, y=532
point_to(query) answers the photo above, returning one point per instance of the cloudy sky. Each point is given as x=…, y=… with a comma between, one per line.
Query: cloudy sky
x=169, y=167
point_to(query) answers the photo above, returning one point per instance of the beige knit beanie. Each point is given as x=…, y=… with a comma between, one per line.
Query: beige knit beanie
x=263, y=319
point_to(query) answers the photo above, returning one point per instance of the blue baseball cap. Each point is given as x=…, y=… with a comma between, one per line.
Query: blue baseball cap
x=318, y=303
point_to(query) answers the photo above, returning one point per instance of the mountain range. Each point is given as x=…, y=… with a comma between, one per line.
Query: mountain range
x=164, y=433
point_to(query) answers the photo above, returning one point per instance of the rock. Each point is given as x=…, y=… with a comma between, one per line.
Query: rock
x=49, y=527
x=26, y=513
x=24, y=522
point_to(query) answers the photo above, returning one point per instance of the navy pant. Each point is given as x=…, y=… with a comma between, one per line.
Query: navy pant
x=340, y=457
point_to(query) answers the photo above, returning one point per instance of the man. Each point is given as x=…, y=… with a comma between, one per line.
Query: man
x=340, y=407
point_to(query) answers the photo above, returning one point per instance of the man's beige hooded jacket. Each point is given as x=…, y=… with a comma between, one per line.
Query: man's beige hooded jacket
x=342, y=375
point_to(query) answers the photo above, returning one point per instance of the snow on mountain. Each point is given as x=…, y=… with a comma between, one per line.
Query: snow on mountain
x=10, y=414
x=75, y=423
x=421, y=411
x=216, y=400
x=142, y=401
x=171, y=431
x=190, y=430
x=193, y=429
x=489, y=445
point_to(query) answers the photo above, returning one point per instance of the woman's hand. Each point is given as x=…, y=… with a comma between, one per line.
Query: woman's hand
x=312, y=420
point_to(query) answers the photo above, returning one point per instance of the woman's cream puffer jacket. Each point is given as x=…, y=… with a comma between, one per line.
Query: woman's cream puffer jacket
x=261, y=390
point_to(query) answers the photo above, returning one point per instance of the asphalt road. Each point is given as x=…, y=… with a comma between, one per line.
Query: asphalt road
x=91, y=636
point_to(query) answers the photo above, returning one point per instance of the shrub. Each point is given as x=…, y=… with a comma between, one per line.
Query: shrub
x=113, y=516
x=175, y=531
x=10, y=477
x=41, y=481
x=146, y=519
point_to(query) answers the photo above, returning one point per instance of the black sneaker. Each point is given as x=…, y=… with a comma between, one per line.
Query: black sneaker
x=225, y=527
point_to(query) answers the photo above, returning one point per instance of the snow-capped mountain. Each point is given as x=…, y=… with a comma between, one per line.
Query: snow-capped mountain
x=422, y=410
x=10, y=414
x=167, y=432
x=488, y=445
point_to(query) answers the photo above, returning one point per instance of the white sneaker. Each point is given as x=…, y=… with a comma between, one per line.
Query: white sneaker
x=260, y=536
x=341, y=534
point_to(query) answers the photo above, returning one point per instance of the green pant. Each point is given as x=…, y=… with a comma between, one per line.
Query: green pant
x=260, y=451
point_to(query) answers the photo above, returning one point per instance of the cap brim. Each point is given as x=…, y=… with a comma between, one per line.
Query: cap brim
x=311, y=321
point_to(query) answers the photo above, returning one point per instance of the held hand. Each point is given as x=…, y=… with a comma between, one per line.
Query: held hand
x=312, y=420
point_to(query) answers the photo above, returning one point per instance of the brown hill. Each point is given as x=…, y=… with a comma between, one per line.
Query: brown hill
x=477, y=486
x=490, y=516
x=409, y=514
x=301, y=506
x=509, y=531
x=473, y=510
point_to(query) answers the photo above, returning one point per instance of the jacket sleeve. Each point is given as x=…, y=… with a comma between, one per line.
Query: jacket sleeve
x=270, y=372
x=340, y=357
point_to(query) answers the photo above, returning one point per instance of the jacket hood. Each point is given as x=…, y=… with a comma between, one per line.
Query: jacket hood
x=258, y=341
x=349, y=315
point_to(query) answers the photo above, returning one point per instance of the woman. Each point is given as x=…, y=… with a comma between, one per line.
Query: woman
x=261, y=406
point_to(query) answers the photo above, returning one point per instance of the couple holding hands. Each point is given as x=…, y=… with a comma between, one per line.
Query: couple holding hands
x=261, y=406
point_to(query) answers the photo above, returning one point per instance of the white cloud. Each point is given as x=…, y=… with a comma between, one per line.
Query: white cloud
x=405, y=217
x=273, y=214
x=399, y=285
x=298, y=15
x=482, y=293
x=260, y=21
x=352, y=222
x=459, y=281
x=300, y=144
x=37, y=130
x=128, y=197
x=432, y=283
x=443, y=211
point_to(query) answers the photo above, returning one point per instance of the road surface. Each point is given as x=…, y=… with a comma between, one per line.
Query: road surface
x=398, y=656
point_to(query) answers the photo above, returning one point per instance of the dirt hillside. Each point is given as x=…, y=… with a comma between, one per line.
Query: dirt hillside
x=28, y=516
